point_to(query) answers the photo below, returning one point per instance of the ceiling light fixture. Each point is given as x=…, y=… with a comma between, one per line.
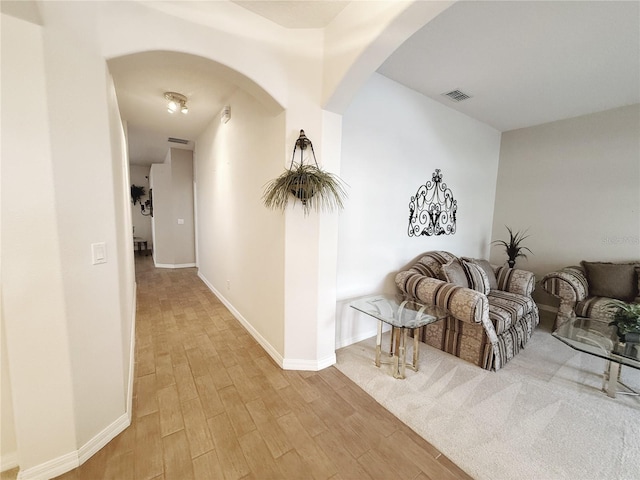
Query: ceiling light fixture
x=177, y=102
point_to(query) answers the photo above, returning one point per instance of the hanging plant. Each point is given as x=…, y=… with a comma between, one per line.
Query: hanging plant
x=315, y=188
x=137, y=192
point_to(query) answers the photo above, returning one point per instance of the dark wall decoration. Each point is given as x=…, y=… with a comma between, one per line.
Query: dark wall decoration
x=432, y=211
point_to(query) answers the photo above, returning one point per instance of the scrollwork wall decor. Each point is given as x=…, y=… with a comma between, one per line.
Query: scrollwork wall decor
x=432, y=211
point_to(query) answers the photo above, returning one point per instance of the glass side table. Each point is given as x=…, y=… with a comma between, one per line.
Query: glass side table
x=402, y=314
x=596, y=337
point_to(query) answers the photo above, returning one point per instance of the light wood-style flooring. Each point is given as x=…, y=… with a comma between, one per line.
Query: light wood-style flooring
x=209, y=403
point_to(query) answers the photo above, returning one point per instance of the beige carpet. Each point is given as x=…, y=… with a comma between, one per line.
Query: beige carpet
x=541, y=417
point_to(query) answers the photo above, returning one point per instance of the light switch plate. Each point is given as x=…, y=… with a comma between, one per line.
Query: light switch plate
x=181, y=221
x=99, y=253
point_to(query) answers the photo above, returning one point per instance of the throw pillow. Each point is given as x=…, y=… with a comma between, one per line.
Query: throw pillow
x=478, y=279
x=612, y=280
x=455, y=273
x=488, y=269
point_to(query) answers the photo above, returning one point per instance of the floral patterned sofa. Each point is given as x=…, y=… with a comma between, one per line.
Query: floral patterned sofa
x=492, y=314
x=587, y=290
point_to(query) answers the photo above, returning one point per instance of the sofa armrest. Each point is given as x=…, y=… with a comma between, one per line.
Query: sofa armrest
x=462, y=303
x=514, y=280
x=569, y=285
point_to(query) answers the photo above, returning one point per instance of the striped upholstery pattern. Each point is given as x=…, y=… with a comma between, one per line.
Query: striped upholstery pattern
x=487, y=330
x=505, y=308
x=570, y=285
x=515, y=280
x=478, y=280
x=595, y=307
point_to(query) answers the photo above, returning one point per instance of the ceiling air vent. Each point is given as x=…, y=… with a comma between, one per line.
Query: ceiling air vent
x=456, y=95
x=177, y=140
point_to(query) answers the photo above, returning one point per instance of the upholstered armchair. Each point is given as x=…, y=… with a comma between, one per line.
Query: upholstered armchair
x=587, y=290
x=492, y=314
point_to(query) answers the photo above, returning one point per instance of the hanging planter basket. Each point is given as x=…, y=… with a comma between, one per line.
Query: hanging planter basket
x=315, y=188
x=137, y=192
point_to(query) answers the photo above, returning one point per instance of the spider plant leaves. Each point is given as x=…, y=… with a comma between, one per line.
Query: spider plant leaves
x=513, y=247
x=315, y=188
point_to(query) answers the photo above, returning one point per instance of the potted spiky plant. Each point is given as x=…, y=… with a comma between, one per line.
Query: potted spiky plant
x=315, y=188
x=513, y=247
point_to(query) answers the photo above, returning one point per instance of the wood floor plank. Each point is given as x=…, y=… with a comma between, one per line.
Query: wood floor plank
x=177, y=459
x=170, y=412
x=120, y=467
x=276, y=440
x=232, y=461
x=207, y=466
x=146, y=389
x=164, y=370
x=196, y=428
x=320, y=465
x=209, y=398
x=333, y=446
x=184, y=381
x=236, y=411
x=148, y=455
x=258, y=456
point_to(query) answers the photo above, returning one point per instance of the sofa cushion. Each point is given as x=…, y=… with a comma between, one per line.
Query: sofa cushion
x=488, y=269
x=476, y=276
x=613, y=280
x=506, y=308
x=455, y=273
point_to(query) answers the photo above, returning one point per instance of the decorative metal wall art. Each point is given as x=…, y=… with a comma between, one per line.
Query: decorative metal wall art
x=432, y=211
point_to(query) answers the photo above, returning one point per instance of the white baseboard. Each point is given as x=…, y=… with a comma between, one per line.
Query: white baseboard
x=310, y=365
x=273, y=353
x=174, y=265
x=8, y=461
x=69, y=461
x=105, y=436
x=50, y=469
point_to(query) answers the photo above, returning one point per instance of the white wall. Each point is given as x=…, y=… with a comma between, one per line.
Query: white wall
x=139, y=175
x=172, y=184
x=575, y=184
x=124, y=259
x=240, y=242
x=182, y=207
x=393, y=141
x=62, y=140
x=87, y=213
x=33, y=306
x=161, y=222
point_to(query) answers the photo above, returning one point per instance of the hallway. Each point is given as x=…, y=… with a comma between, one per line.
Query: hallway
x=209, y=403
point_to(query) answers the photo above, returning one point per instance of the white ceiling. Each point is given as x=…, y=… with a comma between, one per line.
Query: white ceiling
x=526, y=63
x=523, y=63
x=141, y=81
x=296, y=14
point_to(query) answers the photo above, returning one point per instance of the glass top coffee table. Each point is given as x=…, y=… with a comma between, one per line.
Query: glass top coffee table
x=597, y=338
x=403, y=315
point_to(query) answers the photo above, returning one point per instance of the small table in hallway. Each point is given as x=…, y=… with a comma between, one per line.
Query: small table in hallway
x=402, y=314
x=138, y=243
